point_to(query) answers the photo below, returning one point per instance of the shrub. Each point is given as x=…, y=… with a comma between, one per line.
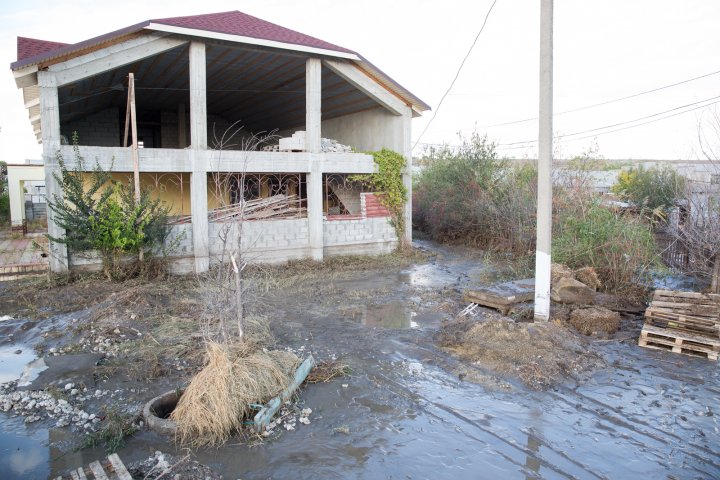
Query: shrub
x=471, y=195
x=619, y=247
x=98, y=214
x=653, y=190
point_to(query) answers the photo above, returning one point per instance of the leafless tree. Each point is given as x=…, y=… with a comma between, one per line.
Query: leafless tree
x=223, y=287
x=697, y=226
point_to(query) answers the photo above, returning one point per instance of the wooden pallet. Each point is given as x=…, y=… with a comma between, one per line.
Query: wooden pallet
x=115, y=470
x=686, y=312
x=679, y=342
x=502, y=296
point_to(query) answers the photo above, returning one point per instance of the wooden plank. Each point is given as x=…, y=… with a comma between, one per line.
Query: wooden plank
x=98, y=471
x=709, y=342
x=74, y=475
x=265, y=415
x=691, y=308
x=506, y=294
x=119, y=467
x=677, y=293
x=80, y=472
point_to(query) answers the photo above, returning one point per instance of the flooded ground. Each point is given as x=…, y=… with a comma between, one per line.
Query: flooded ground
x=408, y=410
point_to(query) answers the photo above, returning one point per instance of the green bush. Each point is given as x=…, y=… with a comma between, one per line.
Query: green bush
x=98, y=214
x=620, y=247
x=654, y=189
x=471, y=195
x=4, y=208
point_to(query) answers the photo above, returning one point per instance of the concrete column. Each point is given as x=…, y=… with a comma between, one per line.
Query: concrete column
x=407, y=176
x=198, y=143
x=50, y=124
x=181, y=125
x=198, y=96
x=315, y=209
x=313, y=95
x=199, y=211
x=544, y=204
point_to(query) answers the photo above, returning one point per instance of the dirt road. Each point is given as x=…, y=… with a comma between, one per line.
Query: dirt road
x=405, y=412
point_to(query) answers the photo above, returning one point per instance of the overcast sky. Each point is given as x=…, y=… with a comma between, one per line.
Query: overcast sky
x=604, y=50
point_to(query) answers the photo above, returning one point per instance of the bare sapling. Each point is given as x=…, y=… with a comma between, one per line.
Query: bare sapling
x=224, y=286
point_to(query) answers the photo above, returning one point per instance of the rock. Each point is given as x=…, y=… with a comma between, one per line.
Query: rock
x=69, y=386
x=18, y=352
x=589, y=277
x=569, y=290
x=558, y=271
x=594, y=320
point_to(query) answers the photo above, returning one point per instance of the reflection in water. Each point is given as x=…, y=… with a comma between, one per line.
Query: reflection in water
x=23, y=450
x=393, y=315
x=532, y=464
x=11, y=363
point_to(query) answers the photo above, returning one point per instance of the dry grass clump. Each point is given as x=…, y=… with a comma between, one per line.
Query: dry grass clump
x=326, y=371
x=539, y=354
x=589, y=277
x=593, y=320
x=213, y=406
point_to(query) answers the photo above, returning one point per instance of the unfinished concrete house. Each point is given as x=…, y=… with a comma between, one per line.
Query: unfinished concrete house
x=196, y=80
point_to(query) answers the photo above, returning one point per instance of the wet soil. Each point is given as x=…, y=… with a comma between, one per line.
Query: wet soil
x=409, y=409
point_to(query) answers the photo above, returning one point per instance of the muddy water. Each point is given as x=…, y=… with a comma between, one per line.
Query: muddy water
x=404, y=413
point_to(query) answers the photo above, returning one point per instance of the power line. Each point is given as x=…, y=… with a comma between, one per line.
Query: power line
x=623, y=128
x=607, y=102
x=457, y=74
x=625, y=122
x=528, y=143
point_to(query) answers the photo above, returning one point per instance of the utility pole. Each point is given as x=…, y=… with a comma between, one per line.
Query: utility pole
x=544, y=201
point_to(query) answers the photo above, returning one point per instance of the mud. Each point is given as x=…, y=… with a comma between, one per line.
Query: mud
x=407, y=409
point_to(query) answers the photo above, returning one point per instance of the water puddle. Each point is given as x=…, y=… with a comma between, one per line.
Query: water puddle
x=24, y=452
x=13, y=364
x=393, y=315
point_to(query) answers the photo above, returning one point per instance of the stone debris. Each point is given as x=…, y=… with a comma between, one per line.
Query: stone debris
x=164, y=465
x=327, y=145
x=569, y=290
x=37, y=405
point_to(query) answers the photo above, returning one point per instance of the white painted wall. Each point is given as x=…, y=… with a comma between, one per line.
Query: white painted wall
x=368, y=130
x=17, y=175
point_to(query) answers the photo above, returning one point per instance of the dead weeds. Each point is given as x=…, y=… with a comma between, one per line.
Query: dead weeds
x=326, y=371
x=539, y=354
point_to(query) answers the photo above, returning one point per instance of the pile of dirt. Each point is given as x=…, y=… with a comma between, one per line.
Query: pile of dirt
x=594, y=320
x=539, y=354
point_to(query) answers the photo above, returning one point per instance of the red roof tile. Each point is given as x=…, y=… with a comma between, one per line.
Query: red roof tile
x=239, y=23
x=30, y=47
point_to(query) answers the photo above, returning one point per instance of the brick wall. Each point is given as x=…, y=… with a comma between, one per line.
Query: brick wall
x=359, y=236
x=262, y=240
x=101, y=129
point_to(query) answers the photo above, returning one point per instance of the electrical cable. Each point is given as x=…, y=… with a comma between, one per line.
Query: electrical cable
x=457, y=73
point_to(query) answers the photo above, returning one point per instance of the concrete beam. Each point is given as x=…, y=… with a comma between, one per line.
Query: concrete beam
x=313, y=113
x=35, y=102
x=112, y=57
x=26, y=77
x=198, y=96
x=366, y=84
x=50, y=123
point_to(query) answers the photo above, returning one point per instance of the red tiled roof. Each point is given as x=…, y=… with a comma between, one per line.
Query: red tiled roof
x=30, y=47
x=242, y=24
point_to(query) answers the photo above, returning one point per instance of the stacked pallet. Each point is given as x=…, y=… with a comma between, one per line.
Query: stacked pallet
x=683, y=322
